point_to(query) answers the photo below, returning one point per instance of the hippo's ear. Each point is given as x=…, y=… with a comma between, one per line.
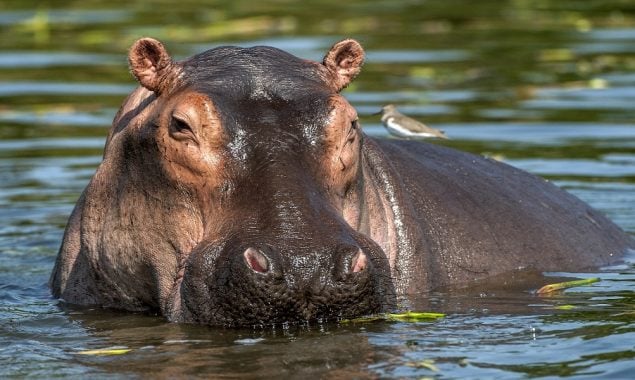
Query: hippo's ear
x=151, y=64
x=344, y=61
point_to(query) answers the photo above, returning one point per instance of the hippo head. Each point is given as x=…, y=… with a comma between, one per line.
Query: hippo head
x=228, y=193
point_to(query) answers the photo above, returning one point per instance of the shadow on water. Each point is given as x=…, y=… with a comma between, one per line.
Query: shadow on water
x=547, y=86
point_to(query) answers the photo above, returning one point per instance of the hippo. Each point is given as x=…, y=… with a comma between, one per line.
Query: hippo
x=237, y=188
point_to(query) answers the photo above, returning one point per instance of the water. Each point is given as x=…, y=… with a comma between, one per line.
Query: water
x=547, y=86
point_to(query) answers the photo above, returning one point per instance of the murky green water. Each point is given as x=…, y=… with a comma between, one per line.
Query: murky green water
x=547, y=86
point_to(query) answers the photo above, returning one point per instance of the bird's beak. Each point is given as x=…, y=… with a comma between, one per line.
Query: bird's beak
x=377, y=113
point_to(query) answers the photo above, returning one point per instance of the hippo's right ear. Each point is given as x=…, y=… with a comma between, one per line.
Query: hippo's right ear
x=344, y=61
x=151, y=64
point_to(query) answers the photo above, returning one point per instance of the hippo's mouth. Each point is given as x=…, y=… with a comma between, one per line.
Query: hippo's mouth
x=243, y=293
x=273, y=303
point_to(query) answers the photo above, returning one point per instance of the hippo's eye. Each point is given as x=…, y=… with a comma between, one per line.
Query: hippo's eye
x=180, y=125
x=352, y=132
x=181, y=130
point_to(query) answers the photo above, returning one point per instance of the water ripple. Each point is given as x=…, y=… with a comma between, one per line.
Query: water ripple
x=74, y=118
x=58, y=88
x=28, y=59
x=65, y=16
x=414, y=56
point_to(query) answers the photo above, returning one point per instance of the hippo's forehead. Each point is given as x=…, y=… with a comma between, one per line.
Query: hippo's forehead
x=255, y=74
x=261, y=84
x=256, y=71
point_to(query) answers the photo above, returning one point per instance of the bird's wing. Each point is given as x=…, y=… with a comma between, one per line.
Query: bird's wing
x=418, y=127
x=415, y=126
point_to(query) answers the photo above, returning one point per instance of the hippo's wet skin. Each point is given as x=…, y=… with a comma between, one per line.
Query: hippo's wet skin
x=237, y=188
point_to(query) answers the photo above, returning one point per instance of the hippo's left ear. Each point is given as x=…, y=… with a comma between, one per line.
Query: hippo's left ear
x=151, y=64
x=344, y=61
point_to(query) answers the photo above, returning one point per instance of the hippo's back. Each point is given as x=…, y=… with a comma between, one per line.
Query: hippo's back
x=481, y=217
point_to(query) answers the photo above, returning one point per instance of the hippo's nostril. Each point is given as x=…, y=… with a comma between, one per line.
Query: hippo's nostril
x=359, y=262
x=256, y=260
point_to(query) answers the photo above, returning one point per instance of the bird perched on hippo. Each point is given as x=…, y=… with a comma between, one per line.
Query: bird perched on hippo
x=238, y=188
x=404, y=126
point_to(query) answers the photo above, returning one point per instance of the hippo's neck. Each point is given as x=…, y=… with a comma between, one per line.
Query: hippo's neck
x=386, y=216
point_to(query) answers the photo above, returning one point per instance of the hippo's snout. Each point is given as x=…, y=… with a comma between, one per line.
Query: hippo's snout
x=351, y=260
x=259, y=285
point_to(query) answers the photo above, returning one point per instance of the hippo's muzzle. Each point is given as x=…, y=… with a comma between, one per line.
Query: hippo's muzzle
x=255, y=284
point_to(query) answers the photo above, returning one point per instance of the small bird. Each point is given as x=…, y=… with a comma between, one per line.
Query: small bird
x=401, y=125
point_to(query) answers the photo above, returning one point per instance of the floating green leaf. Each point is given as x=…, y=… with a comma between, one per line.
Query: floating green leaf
x=565, y=285
x=408, y=316
x=564, y=307
x=413, y=316
x=106, y=351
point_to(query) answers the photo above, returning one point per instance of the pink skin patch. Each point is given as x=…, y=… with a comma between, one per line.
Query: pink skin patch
x=359, y=262
x=256, y=260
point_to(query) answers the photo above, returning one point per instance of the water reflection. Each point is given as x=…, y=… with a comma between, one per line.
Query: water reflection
x=168, y=350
